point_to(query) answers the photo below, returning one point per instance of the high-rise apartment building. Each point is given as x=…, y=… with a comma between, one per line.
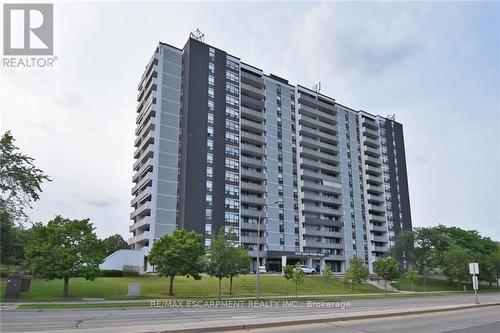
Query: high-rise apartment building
x=218, y=141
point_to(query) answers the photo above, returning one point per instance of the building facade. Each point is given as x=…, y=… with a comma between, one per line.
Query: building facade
x=218, y=141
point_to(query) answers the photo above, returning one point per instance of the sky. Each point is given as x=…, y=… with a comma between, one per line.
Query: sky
x=435, y=65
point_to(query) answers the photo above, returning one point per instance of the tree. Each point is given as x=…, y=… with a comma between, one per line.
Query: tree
x=387, y=269
x=64, y=248
x=356, y=272
x=218, y=263
x=287, y=274
x=297, y=277
x=411, y=277
x=13, y=240
x=114, y=243
x=180, y=254
x=495, y=258
x=239, y=264
x=20, y=180
x=455, y=265
x=419, y=247
x=327, y=276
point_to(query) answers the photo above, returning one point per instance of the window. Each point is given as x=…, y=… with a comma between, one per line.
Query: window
x=211, y=54
x=231, y=217
x=232, y=112
x=211, y=80
x=211, y=92
x=210, y=171
x=208, y=199
x=232, y=176
x=211, y=67
x=208, y=229
x=231, y=137
x=232, y=151
x=232, y=77
x=208, y=241
x=210, y=158
x=232, y=125
x=232, y=88
x=233, y=101
x=209, y=186
x=231, y=190
x=232, y=65
x=210, y=131
x=208, y=214
x=232, y=164
x=210, y=144
x=232, y=204
x=210, y=118
x=211, y=105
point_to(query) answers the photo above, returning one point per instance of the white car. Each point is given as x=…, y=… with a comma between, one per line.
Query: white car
x=307, y=269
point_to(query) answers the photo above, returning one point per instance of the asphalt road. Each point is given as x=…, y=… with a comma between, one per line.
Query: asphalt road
x=480, y=320
x=144, y=319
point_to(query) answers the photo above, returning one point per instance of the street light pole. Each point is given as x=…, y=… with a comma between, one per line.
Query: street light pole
x=257, y=287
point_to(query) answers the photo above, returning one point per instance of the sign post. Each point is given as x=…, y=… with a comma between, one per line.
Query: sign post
x=474, y=271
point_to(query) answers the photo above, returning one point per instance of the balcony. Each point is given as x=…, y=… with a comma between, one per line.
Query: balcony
x=253, y=174
x=370, y=151
x=142, y=195
x=143, y=223
x=369, y=123
x=254, y=114
x=308, y=152
x=252, y=125
x=249, y=90
x=255, y=138
x=319, y=134
x=142, y=210
x=323, y=233
x=147, y=153
x=317, y=123
x=327, y=147
x=253, y=200
x=378, y=228
x=148, y=177
x=376, y=218
x=249, y=212
x=381, y=239
x=377, y=180
x=322, y=210
x=252, y=149
x=371, y=133
x=375, y=208
x=252, y=80
x=254, y=162
x=146, y=166
x=374, y=188
x=371, y=142
x=248, y=226
x=374, y=169
x=252, y=103
x=253, y=187
x=375, y=198
x=140, y=238
x=323, y=188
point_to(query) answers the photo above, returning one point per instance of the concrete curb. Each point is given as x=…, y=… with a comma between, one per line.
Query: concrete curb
x=317, y=320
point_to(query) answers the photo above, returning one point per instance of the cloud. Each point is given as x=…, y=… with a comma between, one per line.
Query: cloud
x=101, y=203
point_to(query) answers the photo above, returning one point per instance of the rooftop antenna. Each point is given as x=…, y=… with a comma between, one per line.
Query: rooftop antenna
x=317, y=87
x=198, y=35
x=391, y=117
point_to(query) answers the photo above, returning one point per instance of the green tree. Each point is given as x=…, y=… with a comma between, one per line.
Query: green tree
x=180, y=253
x=239, y=263
x=13, y=240
x=411, y=277
x=419, y=247
x=297, y=277
x=287, y=274
x=356, y=272
x=63, y=249
x=114, y=243
x=456, y=265
x=20, y=180
x=218, y=262
x=487, y=268
x=495, y=258
x=327, y=277
x=387, y=269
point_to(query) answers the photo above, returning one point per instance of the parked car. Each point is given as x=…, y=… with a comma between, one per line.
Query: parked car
x=307, y=269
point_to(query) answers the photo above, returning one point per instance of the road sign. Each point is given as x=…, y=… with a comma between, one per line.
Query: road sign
x=474, y=268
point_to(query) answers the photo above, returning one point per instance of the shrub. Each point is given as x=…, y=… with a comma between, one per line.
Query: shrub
x=130, y=273
x=111, y=273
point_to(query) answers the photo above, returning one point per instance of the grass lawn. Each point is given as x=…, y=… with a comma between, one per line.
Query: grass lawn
x=436, y=285
x=114, y=288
